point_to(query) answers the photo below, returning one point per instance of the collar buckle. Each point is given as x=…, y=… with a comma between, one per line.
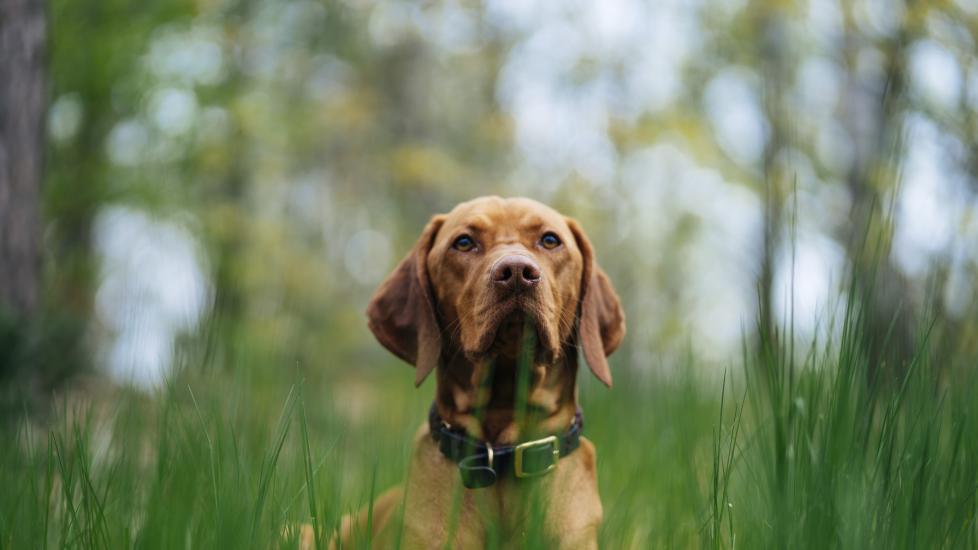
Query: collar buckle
x=538, y=446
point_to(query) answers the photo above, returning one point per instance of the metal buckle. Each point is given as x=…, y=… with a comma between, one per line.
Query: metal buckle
x=551, y=441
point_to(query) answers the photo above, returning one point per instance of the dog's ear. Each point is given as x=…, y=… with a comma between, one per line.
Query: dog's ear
x=601, y=324
x=401, y=313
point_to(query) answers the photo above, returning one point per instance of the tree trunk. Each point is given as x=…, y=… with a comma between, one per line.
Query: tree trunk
x=874, y=116
x=774, y=69
x=23, y=33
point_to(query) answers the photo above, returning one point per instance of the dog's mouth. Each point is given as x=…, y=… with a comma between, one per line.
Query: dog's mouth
x=511, y=327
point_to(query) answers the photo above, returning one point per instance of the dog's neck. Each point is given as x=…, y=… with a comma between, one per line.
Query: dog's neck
x=507, y=399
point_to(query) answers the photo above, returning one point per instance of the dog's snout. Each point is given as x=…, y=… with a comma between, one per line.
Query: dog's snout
x=516, y=273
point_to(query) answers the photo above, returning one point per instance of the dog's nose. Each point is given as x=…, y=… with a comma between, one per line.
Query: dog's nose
x=515, y=273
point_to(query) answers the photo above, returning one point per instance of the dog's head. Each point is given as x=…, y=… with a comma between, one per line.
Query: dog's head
x=482, y=271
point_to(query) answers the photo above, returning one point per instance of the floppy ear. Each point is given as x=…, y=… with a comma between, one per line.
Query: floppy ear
x=601, y=325
x=401, y=313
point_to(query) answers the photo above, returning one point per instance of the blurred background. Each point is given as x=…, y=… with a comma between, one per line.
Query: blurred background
x=198, y=198
x=247, y=172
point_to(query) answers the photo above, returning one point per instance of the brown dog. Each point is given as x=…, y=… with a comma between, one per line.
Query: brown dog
x=495, y=298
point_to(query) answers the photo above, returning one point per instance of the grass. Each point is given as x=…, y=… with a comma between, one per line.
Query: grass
x=789, y=451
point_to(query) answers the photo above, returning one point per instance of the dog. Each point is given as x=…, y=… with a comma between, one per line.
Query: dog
x=496, y=298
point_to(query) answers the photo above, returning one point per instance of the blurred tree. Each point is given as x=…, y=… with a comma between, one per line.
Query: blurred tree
x=878, y=102
x=95, y=49
x=772, y=54
x=23, y=99
x=304, y=143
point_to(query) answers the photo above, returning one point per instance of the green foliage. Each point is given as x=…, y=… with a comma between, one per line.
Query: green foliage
x=95, y=48
x=327, y=132
x=37, y=355
x=813, y=454
x=840, y=456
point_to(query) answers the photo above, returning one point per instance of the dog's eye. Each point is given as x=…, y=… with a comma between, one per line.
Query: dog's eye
x=463, y=243
x=550, y=241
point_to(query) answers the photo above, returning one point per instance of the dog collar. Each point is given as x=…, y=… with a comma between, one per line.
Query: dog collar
x=481, y=463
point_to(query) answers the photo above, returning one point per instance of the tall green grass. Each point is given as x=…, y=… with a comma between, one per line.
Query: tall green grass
x=787, y=450
x=841, y=453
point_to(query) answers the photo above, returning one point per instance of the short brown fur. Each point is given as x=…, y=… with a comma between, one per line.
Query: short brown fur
x=441, y=311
